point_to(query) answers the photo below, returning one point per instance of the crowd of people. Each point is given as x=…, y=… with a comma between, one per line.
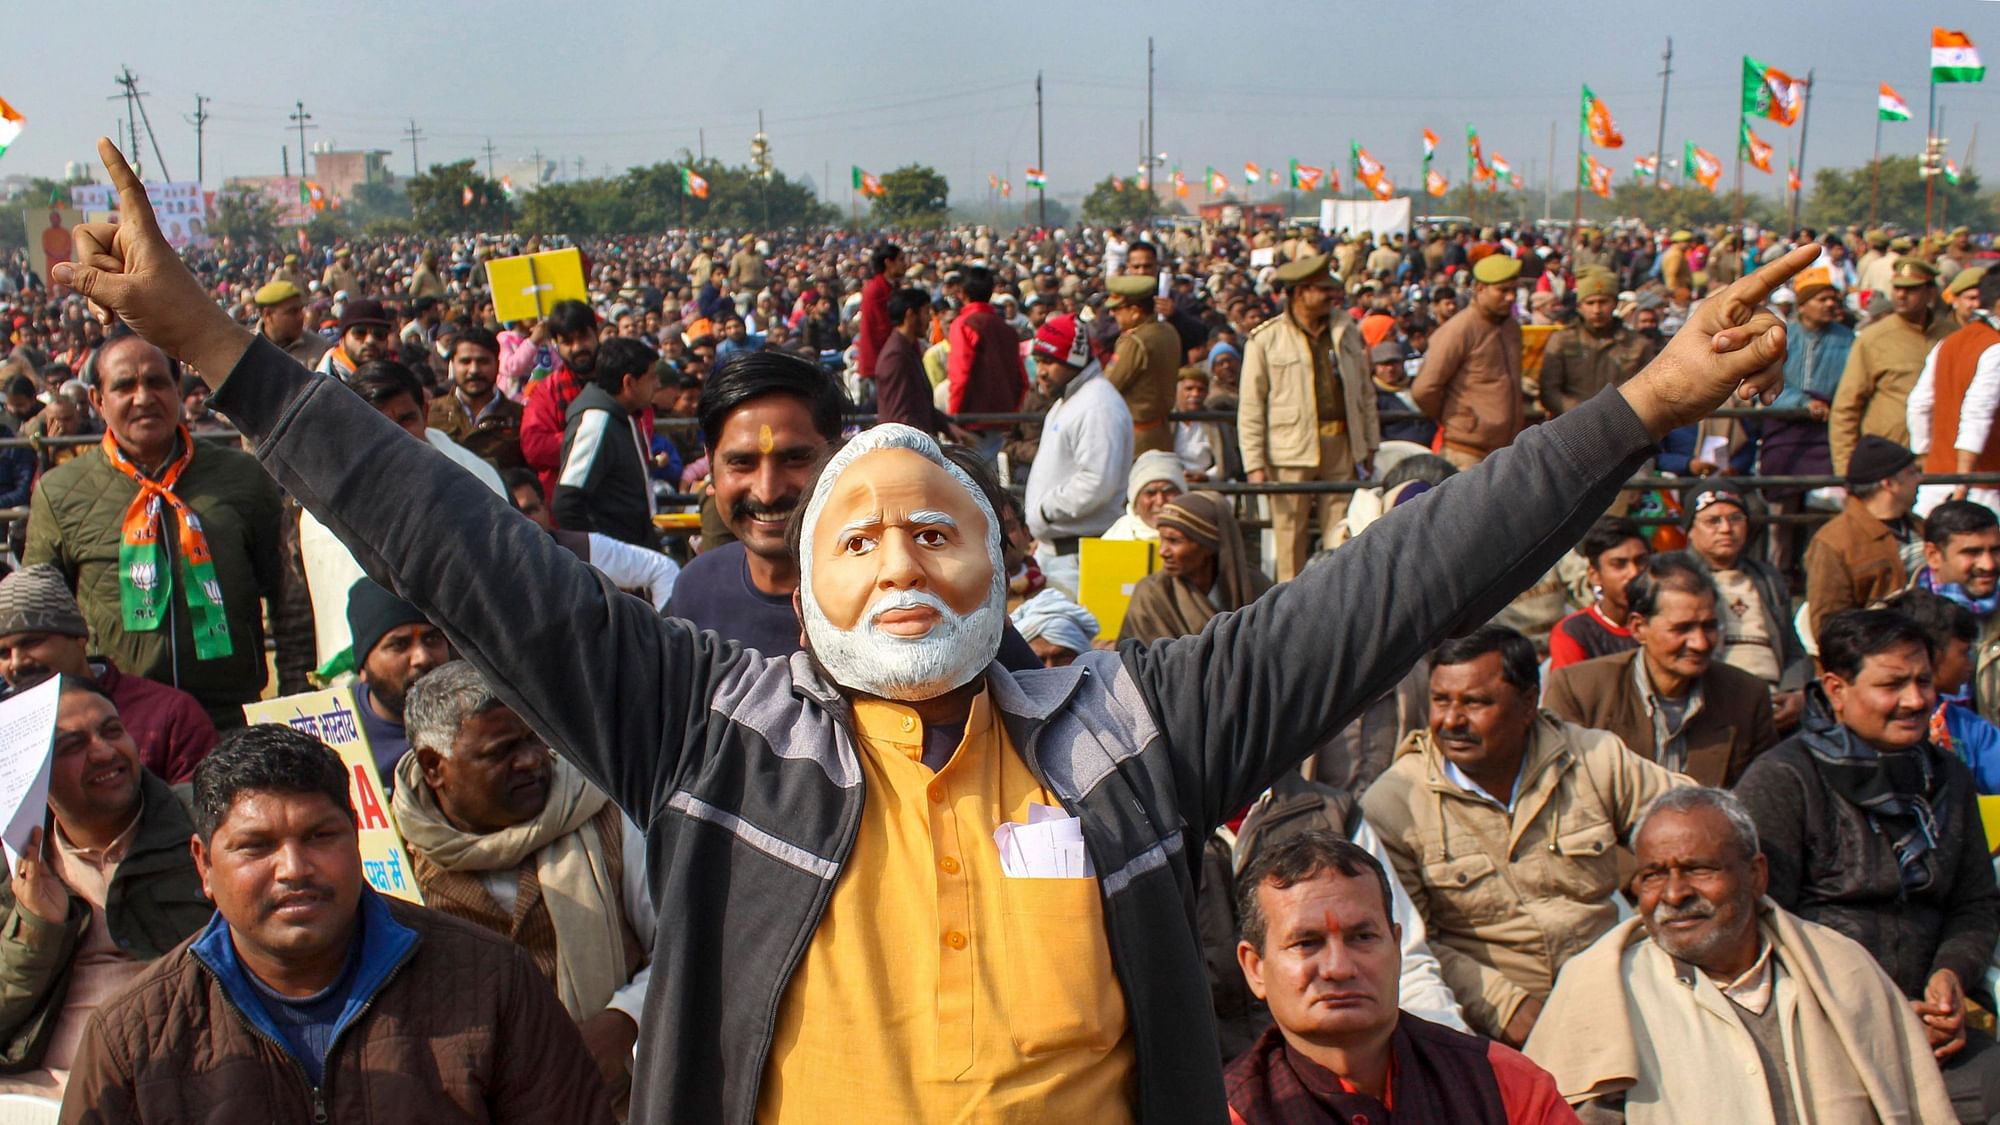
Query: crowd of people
x=1493, y=790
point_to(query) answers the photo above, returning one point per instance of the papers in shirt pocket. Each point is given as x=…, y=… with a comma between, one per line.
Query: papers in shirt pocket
x=1049, y=846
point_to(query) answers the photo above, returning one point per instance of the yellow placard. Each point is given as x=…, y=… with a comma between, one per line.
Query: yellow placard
x=529, y=285
x=1989, y=814
x=1534, y=338
x=330, y=717
x=1110, y=568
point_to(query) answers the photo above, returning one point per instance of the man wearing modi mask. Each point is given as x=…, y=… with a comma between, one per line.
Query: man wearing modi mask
x=908, y=880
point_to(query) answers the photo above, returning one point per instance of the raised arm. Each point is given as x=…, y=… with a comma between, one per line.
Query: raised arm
x=1258, y=689
x=598, y=673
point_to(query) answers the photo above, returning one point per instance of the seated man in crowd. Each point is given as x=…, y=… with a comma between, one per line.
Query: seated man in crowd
x=1872, y=830
x=1504, y=823
x=1755, y=604
x=309, y=996
x=1205, y=570
x=395, y=647
x=1614, y=550
x=1730, y=1009
x=106, y=887
x=1156, y=478
x=1086, y=452
x=1320, y=947
x=1857, y=558
x=1672, y=700
x=647, y=573
x=473, y=412
x=1962, y=562
x=42, y=631
x=604, y=484
x=1955, y=726
x=1058, y=629
x=504, y=834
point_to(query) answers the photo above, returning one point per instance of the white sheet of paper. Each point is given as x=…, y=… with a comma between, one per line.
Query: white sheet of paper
x=1049, y=846
x=1714, y=450
x=27, y=735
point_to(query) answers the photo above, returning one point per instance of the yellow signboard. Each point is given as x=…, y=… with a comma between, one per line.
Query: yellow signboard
x=1534, y=338
x=1108, y=570
x=329, y=716
x=529, y=285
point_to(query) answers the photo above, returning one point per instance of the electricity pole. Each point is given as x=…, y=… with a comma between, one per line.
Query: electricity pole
x=1146, y=165
x=199, y=119
x=1042, y=192
x=413, y=135
x=489, y=157
x=300, y=117
x=129, y=88
x=1660, y=144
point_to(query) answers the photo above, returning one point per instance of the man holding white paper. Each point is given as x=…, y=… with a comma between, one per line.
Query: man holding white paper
x=849, y=938
x=106, y=886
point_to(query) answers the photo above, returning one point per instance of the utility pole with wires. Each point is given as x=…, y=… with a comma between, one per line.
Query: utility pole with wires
x=1660, y=141
x=135, y=100
x=1041, y=191
x=300, y=117
x=413, y=135
x=199, y=120
x=1146, y=160
x=488, y=150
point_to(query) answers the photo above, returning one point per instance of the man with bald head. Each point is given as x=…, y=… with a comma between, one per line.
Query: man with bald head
x=910, y=879
x=168, y=543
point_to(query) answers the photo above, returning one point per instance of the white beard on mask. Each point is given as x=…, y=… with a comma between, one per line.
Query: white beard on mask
x=907, y=669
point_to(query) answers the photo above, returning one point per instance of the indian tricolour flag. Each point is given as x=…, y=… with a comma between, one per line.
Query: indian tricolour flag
x=1036, y=179
x=1889, y=105
x=11, y=122
x=1953, y=58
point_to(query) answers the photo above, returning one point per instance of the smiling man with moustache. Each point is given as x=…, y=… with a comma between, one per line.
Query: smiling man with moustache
x=308, y=997
x=1730, y=1009
x=1504, y=823
x=1320, y=948
x=850, y=932
x=105, y=888
x=1872, y=829
x=504, y=834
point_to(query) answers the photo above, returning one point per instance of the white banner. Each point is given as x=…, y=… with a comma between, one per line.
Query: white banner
x=1358, y=216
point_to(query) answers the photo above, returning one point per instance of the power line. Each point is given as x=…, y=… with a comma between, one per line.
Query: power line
x=199, y=121
x=134, y=97
x=300, y=116
x=489, y=158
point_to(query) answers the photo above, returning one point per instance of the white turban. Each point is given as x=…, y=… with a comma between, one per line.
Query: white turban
x=1051, y=616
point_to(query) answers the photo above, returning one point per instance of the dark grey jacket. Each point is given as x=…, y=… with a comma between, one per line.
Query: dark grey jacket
x=603, y=484
x=749, y=783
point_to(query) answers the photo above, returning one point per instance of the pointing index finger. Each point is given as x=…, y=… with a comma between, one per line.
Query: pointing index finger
x=133, y=205
x=1749, y=293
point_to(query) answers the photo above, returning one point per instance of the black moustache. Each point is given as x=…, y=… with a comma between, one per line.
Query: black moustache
x=752, y=510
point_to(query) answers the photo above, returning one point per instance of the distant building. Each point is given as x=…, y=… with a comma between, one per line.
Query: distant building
x=338, y=173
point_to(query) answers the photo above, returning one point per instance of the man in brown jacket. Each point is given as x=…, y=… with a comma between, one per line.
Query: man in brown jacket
x=1471, y=379
x=1308, y=409
x=1671, y=700
x=1594, y=353
x=311, y=998
x=1887, y=358
x=1856, y=558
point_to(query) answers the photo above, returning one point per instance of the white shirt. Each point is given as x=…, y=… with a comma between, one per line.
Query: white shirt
x=1076, y=486
x=1459, y=778
x=1975, y=414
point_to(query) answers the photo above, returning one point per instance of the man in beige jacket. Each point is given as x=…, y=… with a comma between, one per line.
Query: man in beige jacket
x=1471, y=378
x=1307, y=411
x=1716, y=1005
x=1885, y=362
x=1504, y=823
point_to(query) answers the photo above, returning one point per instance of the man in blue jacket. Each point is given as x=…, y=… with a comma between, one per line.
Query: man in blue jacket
x=889, y=850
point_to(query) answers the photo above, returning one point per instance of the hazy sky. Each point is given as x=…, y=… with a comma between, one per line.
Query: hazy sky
x=881, y=84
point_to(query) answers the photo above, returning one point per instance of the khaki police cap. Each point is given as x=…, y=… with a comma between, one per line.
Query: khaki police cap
x=1961, y=232
x=1682, y=236
x=1965, y=279
x=1131, y=289
x=1902, y=244
x=1596, y=283
x=1879, y=239
x=1912, y=272
x=1301, y=270
x=276, y=293
x=1496, y=268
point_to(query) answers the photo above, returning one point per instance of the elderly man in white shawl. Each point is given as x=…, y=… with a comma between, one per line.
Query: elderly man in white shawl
x=1058, y=629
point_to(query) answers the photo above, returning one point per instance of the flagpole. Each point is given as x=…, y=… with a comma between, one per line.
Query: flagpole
x=1805, y=123
x=1576, y=188
x=1944, y=198
x=1470, y=215
x=1930, y=135
x=1875, y=170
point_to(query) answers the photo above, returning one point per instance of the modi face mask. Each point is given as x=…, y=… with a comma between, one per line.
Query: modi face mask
x=902, y=590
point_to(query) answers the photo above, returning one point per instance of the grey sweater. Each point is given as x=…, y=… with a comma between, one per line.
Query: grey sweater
x=748, y=782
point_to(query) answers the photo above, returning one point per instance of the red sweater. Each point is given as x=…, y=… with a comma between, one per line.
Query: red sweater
x=875, y=326
x=984, y=367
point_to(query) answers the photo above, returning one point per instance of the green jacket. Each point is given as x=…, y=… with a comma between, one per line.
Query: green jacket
x=155, y=902
x=75, y=521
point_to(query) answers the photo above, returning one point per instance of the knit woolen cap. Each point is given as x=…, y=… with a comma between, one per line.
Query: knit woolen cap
x=36, y=599
x=1876, y=458
x=372, y=612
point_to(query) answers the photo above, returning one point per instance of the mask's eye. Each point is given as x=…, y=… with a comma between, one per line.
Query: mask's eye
x=858, y=545
x=932, y=537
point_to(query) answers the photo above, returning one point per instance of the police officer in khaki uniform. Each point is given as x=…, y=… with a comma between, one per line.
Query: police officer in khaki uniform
x=1146, y=364
x=1307, y=411
x=1885, y=361
x=1598, y=351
